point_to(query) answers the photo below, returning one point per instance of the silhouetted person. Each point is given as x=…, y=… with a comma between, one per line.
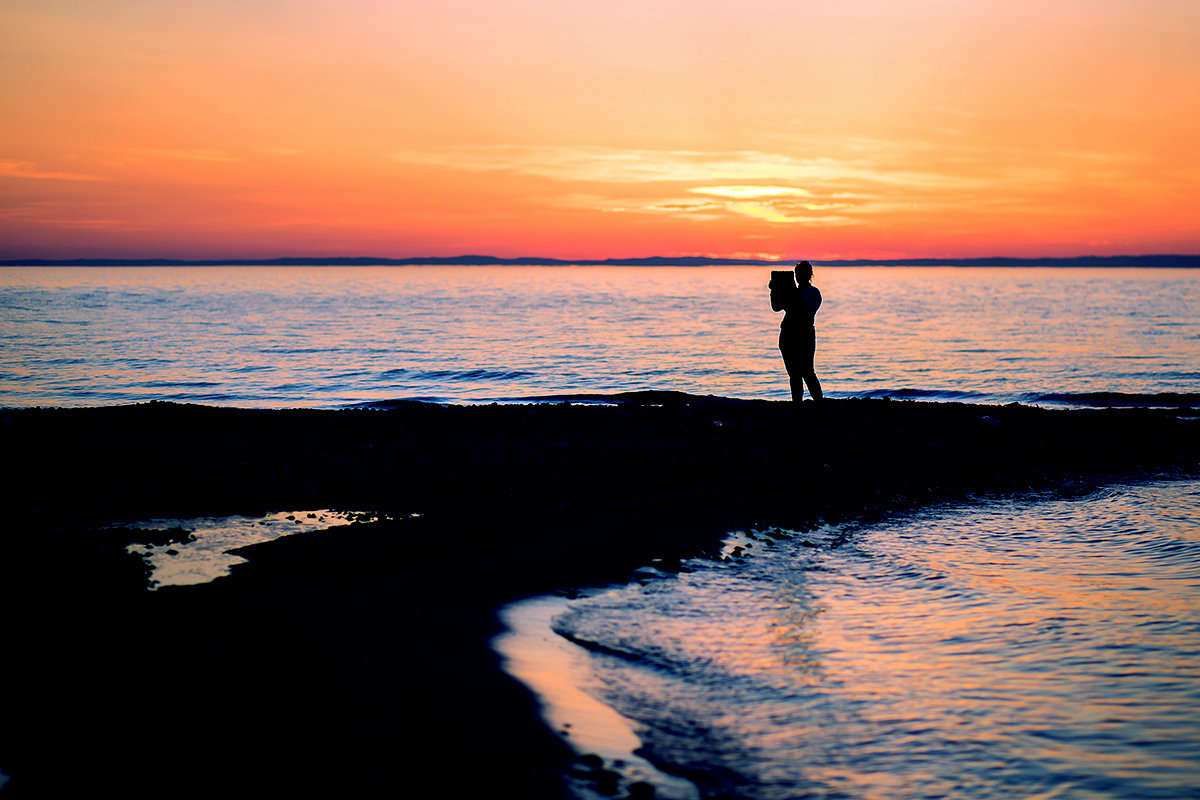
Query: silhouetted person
x=797, y=332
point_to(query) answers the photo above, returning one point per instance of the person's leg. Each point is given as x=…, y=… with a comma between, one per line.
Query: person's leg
x=797, y=384
x=794, y=367
x=814, y=387
x=809, y=371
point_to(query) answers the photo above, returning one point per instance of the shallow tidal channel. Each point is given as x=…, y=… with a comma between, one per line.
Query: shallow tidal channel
x=197, y=550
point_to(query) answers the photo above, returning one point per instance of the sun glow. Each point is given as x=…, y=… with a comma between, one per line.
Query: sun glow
x=270, y=128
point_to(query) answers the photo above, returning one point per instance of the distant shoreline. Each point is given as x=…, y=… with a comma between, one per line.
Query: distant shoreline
x=1146, y=261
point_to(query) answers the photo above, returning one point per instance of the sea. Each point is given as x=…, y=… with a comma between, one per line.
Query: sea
x=1039, y=647
x=332, y=337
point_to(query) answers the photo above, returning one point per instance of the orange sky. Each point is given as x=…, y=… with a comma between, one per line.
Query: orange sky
x=782, y=128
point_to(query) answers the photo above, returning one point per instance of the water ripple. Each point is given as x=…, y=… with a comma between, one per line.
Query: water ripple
x=1019, y=649
x=473, y=335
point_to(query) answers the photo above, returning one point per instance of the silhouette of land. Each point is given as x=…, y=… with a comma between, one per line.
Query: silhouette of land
x=355, y=662
x=1176, y=261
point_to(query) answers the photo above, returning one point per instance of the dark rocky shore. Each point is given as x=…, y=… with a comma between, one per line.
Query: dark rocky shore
x=355, y=662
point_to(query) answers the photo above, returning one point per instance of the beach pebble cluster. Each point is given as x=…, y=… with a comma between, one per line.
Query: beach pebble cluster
x=608, y=779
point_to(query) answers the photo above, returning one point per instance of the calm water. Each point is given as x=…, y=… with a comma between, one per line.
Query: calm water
x=335, y=336
x=1021, y=650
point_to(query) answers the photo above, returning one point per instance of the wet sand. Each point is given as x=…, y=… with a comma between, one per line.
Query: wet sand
x=355, y=662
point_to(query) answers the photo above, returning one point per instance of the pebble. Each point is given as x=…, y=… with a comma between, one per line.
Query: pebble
x=591, y=761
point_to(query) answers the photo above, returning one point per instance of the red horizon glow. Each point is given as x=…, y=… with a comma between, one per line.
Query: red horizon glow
x=769, y=129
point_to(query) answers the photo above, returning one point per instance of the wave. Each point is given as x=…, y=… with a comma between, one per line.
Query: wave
x=657, y=397
x=292, y=350
x=646, y=397
x=177, y=385
x=457, y=375
x=1119, y=399
x=666, y=397
x=1072, y=399
x=925, y=394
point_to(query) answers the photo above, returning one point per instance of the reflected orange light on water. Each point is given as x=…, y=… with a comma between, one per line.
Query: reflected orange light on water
x=1003, y=649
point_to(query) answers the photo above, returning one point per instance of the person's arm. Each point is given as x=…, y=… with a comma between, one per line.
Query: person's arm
x=812, y=299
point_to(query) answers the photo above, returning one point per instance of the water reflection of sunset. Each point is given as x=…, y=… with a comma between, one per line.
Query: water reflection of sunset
x=342, y=335
x=770, y=128
x=986, y=651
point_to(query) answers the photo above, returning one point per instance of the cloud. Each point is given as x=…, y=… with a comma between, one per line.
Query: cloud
x=194, y=155
x=853, y=181
x=43, y=214
x=779, y=214
x=780, y=208
x=613, y=165
x=26, y=169
x=160, y=154
x=750, y=191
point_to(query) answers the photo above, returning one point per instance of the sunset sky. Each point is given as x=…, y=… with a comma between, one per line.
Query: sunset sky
x=586, y=129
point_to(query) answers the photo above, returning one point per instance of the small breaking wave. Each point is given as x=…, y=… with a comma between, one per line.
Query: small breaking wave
x=454, y=375
x=1120, y=399
x=926, y=394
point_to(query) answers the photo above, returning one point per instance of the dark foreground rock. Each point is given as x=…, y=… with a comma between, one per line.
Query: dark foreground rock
x=354, y=662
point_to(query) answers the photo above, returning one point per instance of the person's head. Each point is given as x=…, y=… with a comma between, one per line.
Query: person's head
x=803, y=272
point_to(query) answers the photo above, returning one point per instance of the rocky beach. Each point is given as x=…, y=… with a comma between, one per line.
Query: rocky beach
x=355, y=661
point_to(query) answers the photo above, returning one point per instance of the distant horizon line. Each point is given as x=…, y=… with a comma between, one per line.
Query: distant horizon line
x=1160, y=260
